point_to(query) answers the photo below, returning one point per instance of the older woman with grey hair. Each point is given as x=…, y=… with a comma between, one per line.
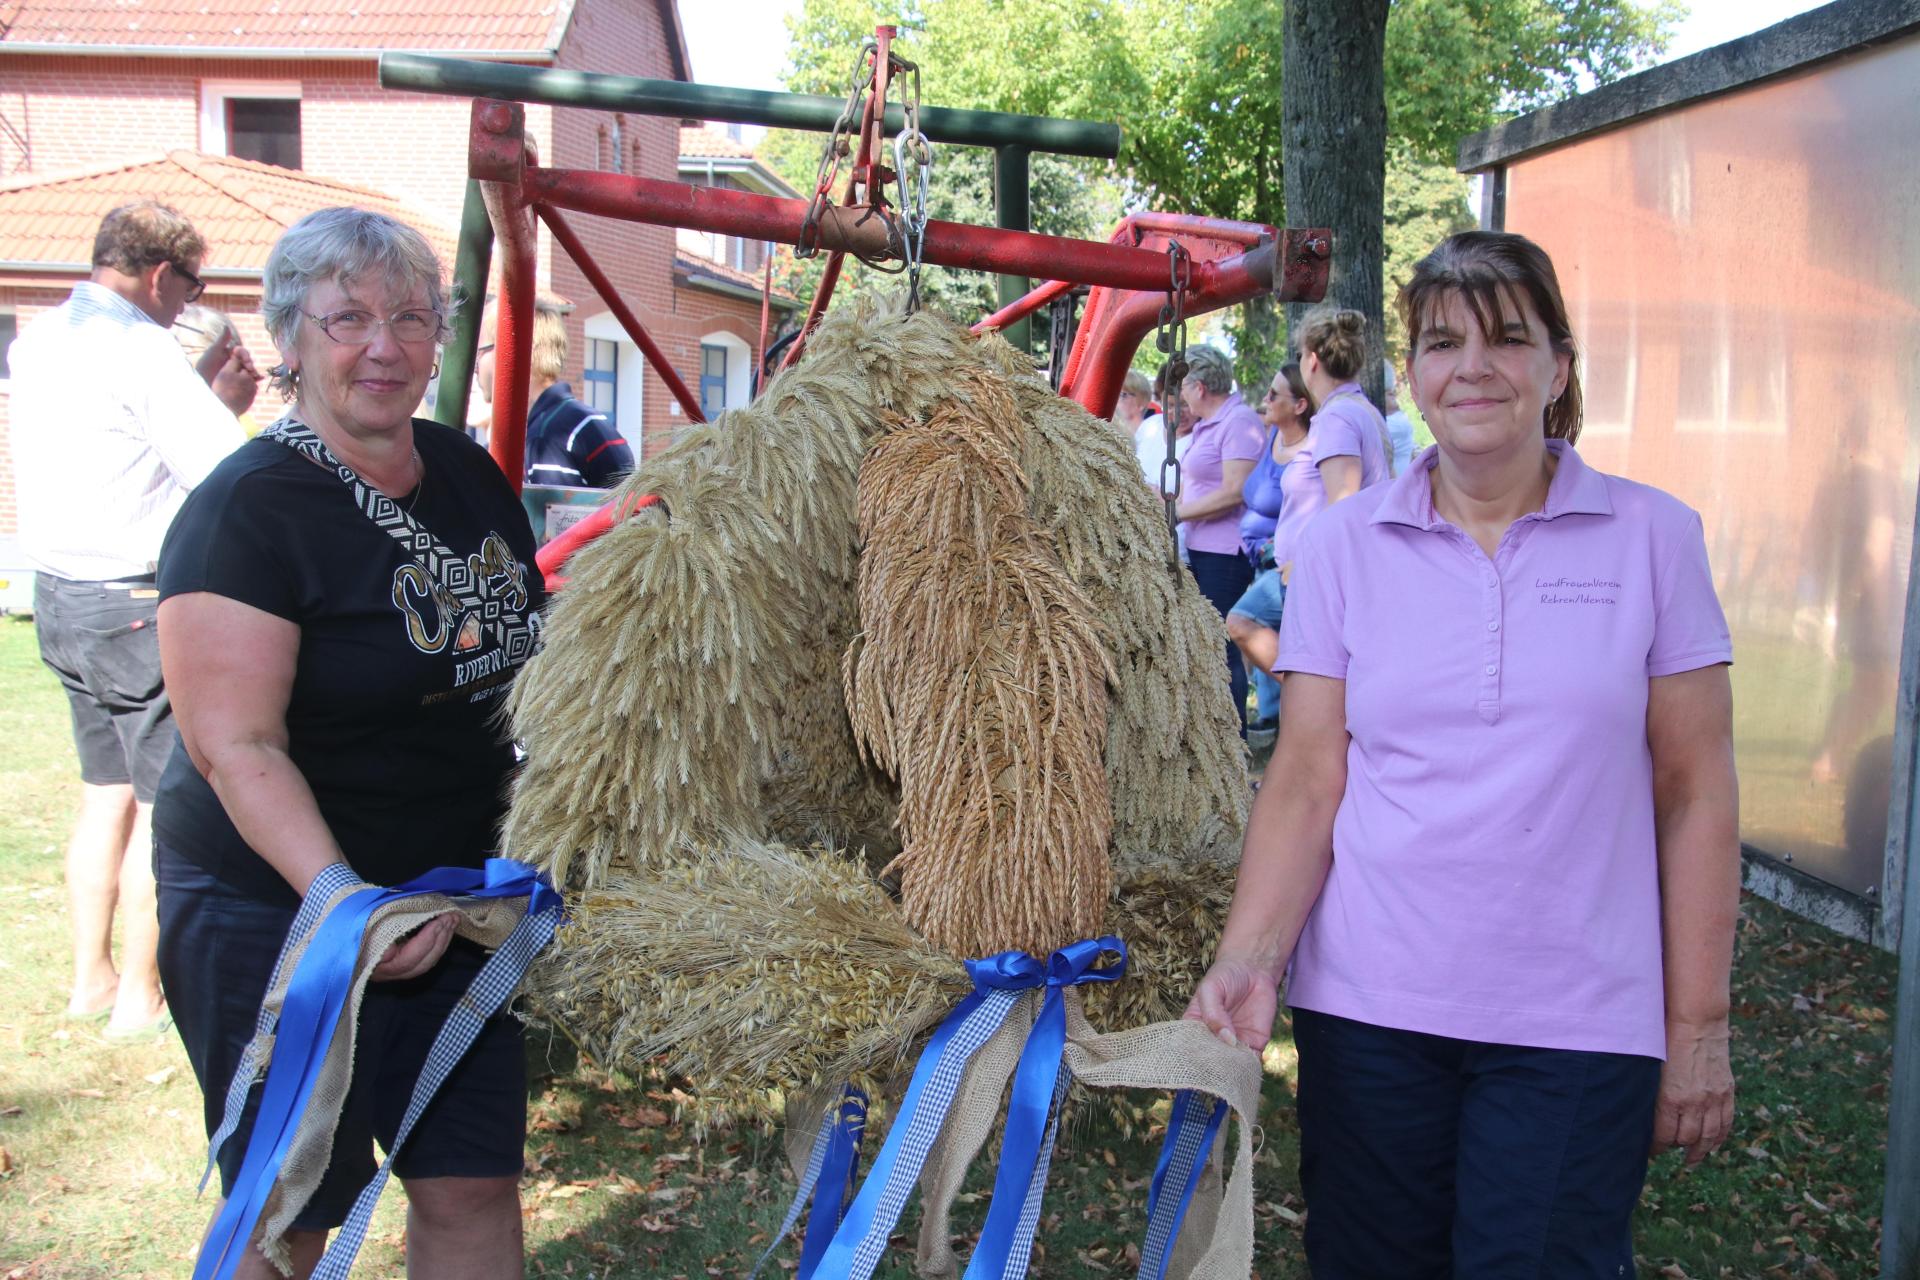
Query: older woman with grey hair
x=344, y=604
x=1228, y=437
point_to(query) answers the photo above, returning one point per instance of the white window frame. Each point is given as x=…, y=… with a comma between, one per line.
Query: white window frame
x=213, y=103
x=739, y=366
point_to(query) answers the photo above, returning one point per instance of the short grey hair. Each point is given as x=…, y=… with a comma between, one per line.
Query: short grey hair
x=1210, y=367
x=344, y=245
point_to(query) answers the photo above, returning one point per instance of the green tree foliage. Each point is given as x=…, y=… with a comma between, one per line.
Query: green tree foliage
x=1196, y=87
x=1457, y=66
x=1426, y=203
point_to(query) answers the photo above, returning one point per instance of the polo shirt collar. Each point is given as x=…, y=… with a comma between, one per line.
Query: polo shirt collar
x=1576, y=489
x=100, y=298
x=1226, y=407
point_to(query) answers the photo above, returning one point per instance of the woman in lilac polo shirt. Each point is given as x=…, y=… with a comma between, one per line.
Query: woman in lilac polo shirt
x=1504, y=874
x=1227, y=438
x=1349, y=440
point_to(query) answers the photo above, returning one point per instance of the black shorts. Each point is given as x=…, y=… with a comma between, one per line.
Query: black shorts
x=217, y=950
x=100, y=639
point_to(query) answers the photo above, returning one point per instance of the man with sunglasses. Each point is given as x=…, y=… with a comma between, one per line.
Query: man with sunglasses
x=110, y=428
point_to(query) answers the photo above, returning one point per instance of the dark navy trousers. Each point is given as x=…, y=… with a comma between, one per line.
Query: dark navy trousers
x=1223, y=579
x=1428, y=1158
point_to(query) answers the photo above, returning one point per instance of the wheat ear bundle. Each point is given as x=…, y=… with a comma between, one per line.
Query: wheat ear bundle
x=693, y=778
x=979, y=681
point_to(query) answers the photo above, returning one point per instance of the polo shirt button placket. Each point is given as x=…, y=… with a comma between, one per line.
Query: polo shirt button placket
x=1488, y=703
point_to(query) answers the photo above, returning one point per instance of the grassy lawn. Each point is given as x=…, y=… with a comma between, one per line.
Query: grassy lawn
x=100, y=1147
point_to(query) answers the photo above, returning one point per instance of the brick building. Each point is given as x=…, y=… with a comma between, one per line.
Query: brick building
x=193, y=93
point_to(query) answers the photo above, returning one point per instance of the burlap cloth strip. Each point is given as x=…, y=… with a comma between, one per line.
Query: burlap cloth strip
x=1216, y=1240
x=486, y=921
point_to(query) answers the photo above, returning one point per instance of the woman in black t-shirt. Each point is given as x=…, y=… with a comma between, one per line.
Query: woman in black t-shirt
x=336, y=656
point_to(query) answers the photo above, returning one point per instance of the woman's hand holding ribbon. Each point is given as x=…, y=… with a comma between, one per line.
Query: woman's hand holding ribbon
x=417, y=952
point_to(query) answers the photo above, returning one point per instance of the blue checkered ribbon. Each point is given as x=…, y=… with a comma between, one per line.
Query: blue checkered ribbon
x=316, y=996
x=1032, y=1115
x=334, y=878
x=1191, y=1131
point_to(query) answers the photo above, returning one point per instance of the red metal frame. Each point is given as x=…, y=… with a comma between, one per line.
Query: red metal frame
x=628, y=321
x=1022, y=307
x=1228, y=263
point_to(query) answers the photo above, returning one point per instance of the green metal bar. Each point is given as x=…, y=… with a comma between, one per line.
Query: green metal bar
x=1013, y=211
x=673, y=98
x=470, y=266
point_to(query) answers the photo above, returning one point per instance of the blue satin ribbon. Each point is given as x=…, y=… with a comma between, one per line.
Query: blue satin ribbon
x=1003, y=1247
x=316, y=995
x=837, y=1173
x=998, y=983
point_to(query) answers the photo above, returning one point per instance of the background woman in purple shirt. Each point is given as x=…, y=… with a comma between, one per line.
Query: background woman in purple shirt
x=1349, y=441
x=1227, y=438
x=1274, y=498
x=1503, y=877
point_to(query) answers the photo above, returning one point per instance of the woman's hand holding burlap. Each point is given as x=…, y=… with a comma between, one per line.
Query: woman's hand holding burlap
x=1237, y=1000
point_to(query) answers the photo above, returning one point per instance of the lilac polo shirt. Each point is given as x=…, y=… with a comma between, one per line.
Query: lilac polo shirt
x=1302, y=494
x=1494, y=876
x=1348, y=426
x=1235, y=432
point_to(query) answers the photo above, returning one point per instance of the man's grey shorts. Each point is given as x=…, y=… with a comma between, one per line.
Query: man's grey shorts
x=101, y=639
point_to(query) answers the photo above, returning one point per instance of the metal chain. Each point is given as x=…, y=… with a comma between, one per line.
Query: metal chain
x=912, y=145
x=836, y=150
x=1063, y=319
x=906, y=226
x=1171, y=338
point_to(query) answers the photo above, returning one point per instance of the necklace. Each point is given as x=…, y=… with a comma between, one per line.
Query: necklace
x=420, y=469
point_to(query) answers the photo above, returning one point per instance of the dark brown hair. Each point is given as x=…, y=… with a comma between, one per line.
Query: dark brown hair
x=1297, y=388
x=1338, y=335
x=1492, y=272
x=145, y=234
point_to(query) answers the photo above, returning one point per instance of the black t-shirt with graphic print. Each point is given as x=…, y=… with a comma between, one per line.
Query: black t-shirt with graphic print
x=395, y=714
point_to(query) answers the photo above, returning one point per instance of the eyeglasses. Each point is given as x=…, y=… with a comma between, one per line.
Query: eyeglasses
x=197, y=285
x=355, y=328
x=1272, y=394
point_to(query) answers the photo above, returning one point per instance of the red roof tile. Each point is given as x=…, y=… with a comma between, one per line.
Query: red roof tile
x=701, y=143
x=240, y=207
x=439, y=26
x=691, y=264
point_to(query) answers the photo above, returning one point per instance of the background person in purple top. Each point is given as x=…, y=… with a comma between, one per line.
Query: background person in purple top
x=1349, y=439
x=1287, y=411
x=1504, y=875
x=1228, y=437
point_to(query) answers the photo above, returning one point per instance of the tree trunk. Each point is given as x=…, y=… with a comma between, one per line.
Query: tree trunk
x=1335, y=120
